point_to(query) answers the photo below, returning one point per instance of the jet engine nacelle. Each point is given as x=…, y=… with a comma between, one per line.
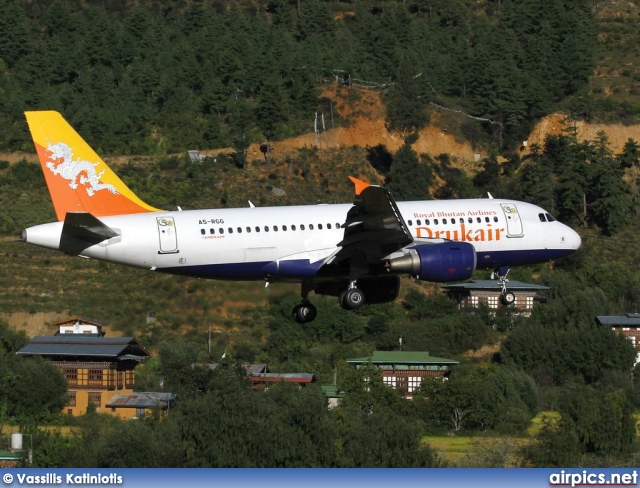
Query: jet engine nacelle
x=442, y=262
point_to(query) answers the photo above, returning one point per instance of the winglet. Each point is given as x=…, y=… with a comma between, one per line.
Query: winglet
x=78, y=180
x=360, y=185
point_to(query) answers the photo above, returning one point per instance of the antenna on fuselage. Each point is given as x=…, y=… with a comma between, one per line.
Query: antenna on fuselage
x=490, y=196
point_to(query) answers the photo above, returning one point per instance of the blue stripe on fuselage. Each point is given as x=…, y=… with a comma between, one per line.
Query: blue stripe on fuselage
x=255, y=270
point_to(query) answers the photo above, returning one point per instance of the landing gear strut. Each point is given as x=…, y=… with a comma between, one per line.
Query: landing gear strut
x=507, y=297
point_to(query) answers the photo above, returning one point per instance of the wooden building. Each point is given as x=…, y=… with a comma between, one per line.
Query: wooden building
x=96, y=367
x=406, y=370
x=80, y=325
x=472, y=294
x=261, y=377
x=141, y=404
x=627, y=325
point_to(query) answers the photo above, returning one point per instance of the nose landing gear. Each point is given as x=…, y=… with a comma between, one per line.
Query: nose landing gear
x=506, y=297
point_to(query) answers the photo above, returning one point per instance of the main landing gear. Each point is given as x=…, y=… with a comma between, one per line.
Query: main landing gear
x=349, y=299
x=507, y=297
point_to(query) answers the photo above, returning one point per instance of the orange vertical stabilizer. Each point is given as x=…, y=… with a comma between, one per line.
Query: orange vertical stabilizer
x=78, y=179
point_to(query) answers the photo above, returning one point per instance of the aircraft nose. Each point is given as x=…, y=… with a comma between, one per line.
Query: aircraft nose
x=573, y=239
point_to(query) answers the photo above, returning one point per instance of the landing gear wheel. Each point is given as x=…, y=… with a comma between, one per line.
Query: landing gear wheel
x=305, y=313
x=507, y=298
x=351, y=299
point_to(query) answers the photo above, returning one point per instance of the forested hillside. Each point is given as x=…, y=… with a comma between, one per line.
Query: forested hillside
x=155, y=78
x=174, y=75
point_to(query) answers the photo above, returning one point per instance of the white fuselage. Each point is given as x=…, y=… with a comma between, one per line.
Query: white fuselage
x=237, y=243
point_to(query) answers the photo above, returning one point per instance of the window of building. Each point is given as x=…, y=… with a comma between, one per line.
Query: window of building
x=71, y=398
x=492, y=302
x=140, y=413
x=529, y=302
x=95, y=377
x=389, y=381
x=71, y=374
x=129, y=378
x=95, y=397
x=414, y=383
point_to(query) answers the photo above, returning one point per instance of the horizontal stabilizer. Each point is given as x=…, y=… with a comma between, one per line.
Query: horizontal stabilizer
x=86, y=227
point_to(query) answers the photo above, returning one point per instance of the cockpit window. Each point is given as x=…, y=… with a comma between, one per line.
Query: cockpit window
x=542, y=217
x=550, y=218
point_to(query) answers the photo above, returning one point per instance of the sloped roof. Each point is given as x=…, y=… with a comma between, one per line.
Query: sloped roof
x=287, y=377
x=82, y=320
x=629, y=320
x=147, y=399
x=493, y=285
x=402, y=357
x=80, y=345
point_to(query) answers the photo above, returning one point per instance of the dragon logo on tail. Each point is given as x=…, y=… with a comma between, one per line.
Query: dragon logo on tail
x=78, y=171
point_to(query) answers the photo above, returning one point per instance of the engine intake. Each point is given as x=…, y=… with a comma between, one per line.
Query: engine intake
x=443, y=262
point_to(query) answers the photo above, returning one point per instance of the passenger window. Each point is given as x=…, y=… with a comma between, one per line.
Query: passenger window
x=275, y=228
x=486, y=219
x=310, y=227
x=435, y=221
x=284, y=227
x=461, y=220
x=293, y=227
x=479, y=220
x=202, y=231
x=470, y=220
x=257, y=228
x=419, y=222
x=542, y=217
x=266, y=228
x=427, y=222
x=320, y=226
x=230, y=230
x=444, y=221
x=248, y=229
x=410, y=223
x=239, y=230
x=337, y=226
x=550, y=218
x=221, y=230
x=301, y=226
x=495, y=219
x=328, y=226
x=212, y=231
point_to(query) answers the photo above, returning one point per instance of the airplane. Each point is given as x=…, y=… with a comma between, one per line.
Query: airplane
x=356, y=252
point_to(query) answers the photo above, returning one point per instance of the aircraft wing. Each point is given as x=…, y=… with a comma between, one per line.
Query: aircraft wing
x=374, y=226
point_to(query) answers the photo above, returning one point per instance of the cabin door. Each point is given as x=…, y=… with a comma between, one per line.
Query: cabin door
x=167, y=235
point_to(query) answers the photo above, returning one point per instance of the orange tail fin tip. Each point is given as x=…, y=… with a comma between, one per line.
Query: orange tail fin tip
x=77, y=178
x=360, y=185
